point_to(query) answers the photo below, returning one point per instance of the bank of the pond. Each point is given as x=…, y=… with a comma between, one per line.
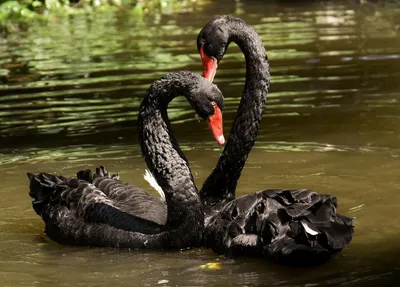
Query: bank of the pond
x=15, y=13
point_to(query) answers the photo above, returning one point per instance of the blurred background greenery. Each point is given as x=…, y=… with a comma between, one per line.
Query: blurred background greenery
x=27, y=10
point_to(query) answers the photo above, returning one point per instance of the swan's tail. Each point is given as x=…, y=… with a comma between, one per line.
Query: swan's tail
x=89, y=175
x=307, y=228
x=45, y=188
x=292, y=227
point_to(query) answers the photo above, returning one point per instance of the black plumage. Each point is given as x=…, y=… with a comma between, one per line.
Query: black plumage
x=294, y=227
x=219, y=188
x=99, y=210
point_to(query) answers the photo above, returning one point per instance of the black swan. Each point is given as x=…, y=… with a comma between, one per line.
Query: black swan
x=295, y=227
x=96, y=209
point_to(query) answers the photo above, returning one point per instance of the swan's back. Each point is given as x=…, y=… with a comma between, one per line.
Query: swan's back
x=77, y=209
x=128, y=197
x=294, y=227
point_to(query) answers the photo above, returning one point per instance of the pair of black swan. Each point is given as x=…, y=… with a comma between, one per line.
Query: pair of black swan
x=296, y=227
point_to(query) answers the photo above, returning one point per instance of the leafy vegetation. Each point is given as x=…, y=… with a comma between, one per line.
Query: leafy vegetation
x=26, y=10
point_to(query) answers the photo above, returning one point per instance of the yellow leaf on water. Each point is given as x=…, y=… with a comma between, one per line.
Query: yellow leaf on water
x=211, y=266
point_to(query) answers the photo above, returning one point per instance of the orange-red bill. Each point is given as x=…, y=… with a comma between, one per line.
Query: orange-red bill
x=216, y=126
x=210, y=65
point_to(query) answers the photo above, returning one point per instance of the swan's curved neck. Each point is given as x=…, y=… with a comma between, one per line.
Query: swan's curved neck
x=162, y=154
x=220, y=186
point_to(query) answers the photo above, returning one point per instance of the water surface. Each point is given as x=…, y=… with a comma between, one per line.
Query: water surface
x=69, y=97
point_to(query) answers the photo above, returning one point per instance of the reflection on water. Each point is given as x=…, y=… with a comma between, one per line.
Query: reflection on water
x=69, y=97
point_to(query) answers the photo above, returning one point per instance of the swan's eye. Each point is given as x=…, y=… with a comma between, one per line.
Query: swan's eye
x=200, y=44
x=214, y=104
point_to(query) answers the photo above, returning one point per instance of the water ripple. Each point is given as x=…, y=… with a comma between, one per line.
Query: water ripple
x=66, y=79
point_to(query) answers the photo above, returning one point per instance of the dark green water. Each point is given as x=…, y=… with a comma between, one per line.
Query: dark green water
x=69, y=97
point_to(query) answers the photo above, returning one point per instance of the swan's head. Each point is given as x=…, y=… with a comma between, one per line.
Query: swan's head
x=208, y=102
x=212, y=42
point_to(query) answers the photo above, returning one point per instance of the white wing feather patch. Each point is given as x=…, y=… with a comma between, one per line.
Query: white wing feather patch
x=308, y=228
x=148, y=176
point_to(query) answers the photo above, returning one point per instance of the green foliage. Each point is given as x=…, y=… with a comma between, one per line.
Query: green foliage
x=28, y=10
x=16, y=10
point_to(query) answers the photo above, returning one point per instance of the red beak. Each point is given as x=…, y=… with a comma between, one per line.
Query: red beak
x=210, y=65
x=215, y=123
